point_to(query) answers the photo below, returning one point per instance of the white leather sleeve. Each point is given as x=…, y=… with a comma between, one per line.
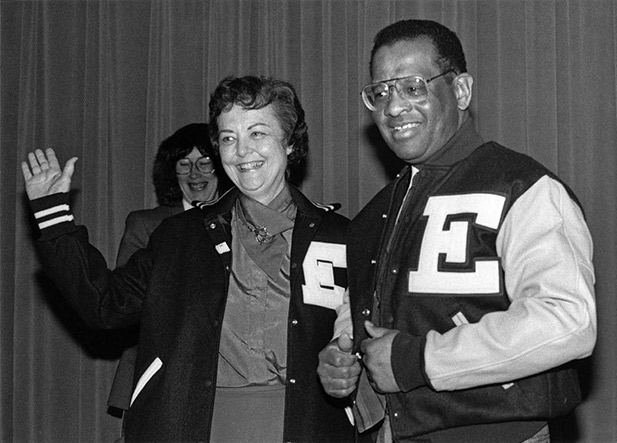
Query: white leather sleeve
x=546, y=252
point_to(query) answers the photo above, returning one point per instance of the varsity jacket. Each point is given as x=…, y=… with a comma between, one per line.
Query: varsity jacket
x=176, y=288
x=488, y=276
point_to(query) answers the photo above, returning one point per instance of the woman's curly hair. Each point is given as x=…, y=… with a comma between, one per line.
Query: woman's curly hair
x=253, y=92
x=173, y=148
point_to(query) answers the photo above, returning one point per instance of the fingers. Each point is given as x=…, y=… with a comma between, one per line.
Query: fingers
x=46, y=161
x=339, y=382
x=342, y=389
x=331, y=355
x=38, y=161
x=41, y=159
x=34, y=163
x=25, y=169
x=53, y=160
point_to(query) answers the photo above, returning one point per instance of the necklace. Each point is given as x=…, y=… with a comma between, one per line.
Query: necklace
x=262, y=236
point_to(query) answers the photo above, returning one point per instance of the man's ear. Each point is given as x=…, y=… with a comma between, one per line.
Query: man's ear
x=462, y=88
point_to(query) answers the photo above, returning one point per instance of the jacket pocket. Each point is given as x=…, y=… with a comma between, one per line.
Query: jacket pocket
x=146, y=377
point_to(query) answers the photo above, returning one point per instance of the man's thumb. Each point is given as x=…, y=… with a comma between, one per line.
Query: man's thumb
x=374, y=331
x=345, y=343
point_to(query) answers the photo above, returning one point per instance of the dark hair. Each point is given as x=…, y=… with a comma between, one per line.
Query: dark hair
x=173, y=148
x=252, y=92
x=450, y=55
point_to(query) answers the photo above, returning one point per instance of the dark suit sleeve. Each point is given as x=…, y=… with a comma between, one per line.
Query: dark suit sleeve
x=138, y=228
x=136, y=235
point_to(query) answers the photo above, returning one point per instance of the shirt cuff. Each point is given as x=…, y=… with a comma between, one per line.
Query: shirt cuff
x=408, y=361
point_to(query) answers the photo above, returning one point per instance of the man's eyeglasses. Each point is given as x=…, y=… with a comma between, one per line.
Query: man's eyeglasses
x=203, y=164
x=414, y=88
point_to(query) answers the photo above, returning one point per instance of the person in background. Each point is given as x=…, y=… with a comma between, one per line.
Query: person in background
x=185, y=170
x=473, y=294
x=234, y=299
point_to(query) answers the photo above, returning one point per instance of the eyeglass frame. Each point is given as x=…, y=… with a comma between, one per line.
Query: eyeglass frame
x=370, y=107
x=194, y=165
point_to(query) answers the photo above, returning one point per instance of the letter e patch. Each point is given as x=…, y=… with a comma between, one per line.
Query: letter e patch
x=320, y=288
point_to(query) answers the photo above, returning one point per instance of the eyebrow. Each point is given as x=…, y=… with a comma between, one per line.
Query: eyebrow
x=252, y=126
x=259, y=124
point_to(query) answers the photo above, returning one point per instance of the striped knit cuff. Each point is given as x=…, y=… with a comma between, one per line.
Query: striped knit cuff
x=52, y=210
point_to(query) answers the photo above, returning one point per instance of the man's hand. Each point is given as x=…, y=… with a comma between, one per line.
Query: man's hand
x=338, y=368
x=44, y=176
x=377, y=354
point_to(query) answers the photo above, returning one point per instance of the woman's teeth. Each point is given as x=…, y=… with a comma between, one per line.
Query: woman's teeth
x=249, y=166
x=198, y=186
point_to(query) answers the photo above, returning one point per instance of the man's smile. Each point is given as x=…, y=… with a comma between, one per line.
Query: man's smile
x=405, y=127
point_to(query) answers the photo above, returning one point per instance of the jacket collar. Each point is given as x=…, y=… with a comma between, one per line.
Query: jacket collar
x=225, y=203
x=217, y=216
x=460, y=146
x=464, y=141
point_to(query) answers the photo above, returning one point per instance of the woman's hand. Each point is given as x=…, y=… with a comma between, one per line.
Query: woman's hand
x=44, y=176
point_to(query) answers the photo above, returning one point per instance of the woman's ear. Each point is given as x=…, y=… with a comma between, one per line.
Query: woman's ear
x=463, y=88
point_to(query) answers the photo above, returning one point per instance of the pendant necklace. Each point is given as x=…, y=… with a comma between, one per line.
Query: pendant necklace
x=262, y=236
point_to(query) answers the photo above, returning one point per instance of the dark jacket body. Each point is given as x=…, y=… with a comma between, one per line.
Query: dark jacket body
x=176, y=289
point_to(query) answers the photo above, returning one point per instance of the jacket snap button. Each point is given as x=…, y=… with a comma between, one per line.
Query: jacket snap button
x=366, y=312
x=212, y=225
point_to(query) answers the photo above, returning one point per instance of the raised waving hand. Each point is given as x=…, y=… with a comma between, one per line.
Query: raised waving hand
x=43, y=176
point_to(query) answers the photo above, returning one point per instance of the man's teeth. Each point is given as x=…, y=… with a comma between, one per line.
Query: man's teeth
x=405, y=127
x=250, y=165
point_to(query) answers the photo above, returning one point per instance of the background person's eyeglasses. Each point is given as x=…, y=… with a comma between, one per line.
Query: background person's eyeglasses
x=376, y=95
x=202, y=164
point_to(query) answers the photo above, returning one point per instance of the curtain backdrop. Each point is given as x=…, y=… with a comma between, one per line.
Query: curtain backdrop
x=107, y=80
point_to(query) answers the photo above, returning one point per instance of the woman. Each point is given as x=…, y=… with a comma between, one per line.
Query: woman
x=235, y=300
x=185, y=171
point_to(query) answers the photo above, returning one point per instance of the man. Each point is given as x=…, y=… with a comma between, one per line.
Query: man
x=470, y=275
